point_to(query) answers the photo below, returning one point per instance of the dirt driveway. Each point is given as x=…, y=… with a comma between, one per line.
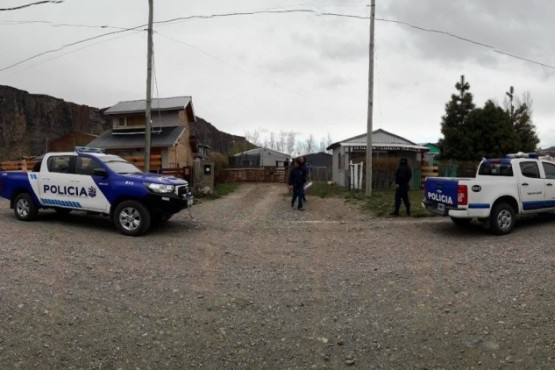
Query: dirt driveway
x=252, y=284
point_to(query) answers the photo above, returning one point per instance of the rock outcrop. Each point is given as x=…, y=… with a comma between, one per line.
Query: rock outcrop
x=29, y=122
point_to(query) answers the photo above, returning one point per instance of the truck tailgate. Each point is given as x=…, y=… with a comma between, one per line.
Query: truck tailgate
x=440, y=194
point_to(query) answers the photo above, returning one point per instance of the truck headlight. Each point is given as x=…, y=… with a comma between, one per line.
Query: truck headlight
x=160, y=188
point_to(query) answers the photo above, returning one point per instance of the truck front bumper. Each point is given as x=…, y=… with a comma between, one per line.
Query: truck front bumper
x=168, y=203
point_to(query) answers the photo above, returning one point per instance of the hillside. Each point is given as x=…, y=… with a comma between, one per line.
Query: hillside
x=29, y=122
x=32, y=124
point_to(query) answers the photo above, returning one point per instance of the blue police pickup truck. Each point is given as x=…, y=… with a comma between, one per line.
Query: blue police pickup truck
x=92, y=181
x=503, y=190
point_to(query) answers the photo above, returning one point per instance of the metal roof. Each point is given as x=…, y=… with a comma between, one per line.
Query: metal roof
x=161, y=104
x=160, y=138
x=380, y=138
x=258, y=151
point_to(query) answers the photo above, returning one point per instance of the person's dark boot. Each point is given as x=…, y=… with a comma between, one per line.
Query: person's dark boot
x=408, y=211
x=394, y=213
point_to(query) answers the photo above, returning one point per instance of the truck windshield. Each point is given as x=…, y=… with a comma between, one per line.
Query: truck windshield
x=119, y=165
x=495, y=169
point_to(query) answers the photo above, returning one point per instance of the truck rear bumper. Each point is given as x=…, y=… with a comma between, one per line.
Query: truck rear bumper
x=444, y=210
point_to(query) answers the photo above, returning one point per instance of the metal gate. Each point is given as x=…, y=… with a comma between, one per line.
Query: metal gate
x=357, y=174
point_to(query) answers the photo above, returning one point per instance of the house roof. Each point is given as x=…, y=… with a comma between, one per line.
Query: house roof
x=257, y=151
x=318, y=159
x=380, y=139
x=160, y=104
x=160, y=138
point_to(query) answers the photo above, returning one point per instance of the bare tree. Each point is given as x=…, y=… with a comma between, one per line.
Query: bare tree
x=253, y=137
x=310, y=144
x=325, y=141
x=290, y=142
x=281, y=142
x=272, y=141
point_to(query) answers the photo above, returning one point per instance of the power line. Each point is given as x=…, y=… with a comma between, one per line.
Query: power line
x=31, y=4
x=67, y=46
x=285, y=11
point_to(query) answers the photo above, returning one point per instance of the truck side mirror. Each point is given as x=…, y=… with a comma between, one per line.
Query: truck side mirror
x=100, y=172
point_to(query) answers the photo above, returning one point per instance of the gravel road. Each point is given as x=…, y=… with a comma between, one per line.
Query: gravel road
x=250, y=283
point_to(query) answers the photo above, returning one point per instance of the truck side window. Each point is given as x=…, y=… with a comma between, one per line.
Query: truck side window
x=58, y=164
x=549, y=170
x=530, y=169
x=86, y=166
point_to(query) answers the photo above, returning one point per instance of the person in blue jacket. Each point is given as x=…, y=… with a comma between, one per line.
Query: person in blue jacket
x=296, y=183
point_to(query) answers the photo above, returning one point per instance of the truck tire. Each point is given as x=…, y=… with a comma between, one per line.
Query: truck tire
x=131, y=218
x=24, y=207
x=502, y=219
x=461, y=221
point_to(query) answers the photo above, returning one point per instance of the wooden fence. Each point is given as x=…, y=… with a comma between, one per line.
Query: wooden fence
x=139, y=161
x=263, y=174
x=22, y=164
x=429, y=171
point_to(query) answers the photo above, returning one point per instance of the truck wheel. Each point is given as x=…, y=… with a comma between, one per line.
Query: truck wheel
x=502, y=219
x=461, y=221
x=131, y=218
x=24, y=207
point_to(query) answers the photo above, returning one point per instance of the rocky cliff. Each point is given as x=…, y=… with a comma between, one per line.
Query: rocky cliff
x=29, y=123
x=32, y=124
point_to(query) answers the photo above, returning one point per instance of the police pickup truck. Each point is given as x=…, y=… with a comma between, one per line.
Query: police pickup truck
x=90, y=180
x=503, y=190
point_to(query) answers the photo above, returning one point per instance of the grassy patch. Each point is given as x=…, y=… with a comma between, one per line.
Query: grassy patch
x=379, y=204
x=220, y=190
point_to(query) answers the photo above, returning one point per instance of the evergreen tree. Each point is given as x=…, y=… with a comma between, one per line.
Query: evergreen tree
x=473, y=133
x=455, y=142
x=527, y=140
x=491, y=133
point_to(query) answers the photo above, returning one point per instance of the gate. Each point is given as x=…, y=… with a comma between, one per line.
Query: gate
x=357, y=175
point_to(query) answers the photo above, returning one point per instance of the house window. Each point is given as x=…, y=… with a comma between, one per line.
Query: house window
x=119, y=122
x=136, y=121
x=339, y=163
x=129, y=122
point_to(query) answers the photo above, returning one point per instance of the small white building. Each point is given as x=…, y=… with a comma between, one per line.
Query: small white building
x=259, y=157
x=352, y=151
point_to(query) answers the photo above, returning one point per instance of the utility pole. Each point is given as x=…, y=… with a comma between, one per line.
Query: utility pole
x=370, y=102
x=148, y=112
x=510, y=94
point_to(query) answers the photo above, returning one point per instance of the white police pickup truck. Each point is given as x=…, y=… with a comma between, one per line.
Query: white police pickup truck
x=503, y=189
x=90, y=180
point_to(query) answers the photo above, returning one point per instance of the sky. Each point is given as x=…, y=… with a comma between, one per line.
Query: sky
x=293, y=65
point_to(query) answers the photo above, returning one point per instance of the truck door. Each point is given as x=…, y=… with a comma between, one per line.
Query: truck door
x=53, y=182
x=549, y=170
x=90, y=197
x=62, y=186
x=531, y=186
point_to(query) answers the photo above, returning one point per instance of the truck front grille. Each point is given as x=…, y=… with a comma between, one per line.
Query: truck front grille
x=182, y=191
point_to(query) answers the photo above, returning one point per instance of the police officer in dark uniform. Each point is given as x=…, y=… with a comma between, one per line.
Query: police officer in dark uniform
x=402, y=180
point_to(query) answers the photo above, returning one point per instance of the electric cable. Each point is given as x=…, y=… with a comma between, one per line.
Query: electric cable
x=32, y=4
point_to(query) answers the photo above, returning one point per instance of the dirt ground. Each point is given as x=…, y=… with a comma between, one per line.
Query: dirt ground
x=250, y=283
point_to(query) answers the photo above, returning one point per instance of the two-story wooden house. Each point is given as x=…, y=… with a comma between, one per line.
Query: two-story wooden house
x=171, y=134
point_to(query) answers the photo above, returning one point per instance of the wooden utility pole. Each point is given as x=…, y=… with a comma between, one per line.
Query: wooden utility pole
x=370, y=102
x=148, y=112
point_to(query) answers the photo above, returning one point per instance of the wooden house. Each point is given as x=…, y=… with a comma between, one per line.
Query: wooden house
x=172, y=138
